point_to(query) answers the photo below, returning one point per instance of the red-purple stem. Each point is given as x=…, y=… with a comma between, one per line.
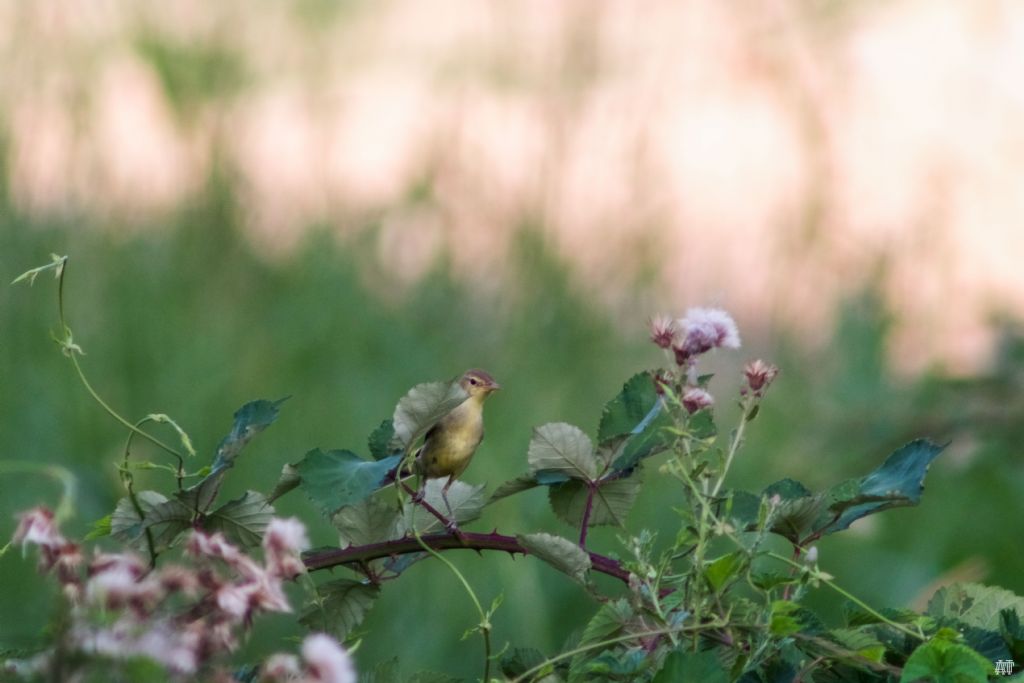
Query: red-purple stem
x=327, y=559
x=428, y=507
x=586, y=515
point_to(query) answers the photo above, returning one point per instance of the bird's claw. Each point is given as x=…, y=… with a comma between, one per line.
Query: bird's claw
x=454, y=530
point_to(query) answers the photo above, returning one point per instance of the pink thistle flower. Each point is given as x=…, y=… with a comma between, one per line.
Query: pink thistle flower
x=236, y=601
x=156, y=640
x=117, y=580
x=695, y=398
x=270, y=595
x=175, y=579
x=759, y=375
x=282, y=543
x=328, y=662
x=663, y=331
x=37, y=527
x=280, y=667
x=204, y=546
x=704, y=329
x=67, y=559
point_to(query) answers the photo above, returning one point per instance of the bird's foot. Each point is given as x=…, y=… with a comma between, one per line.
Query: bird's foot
x=454, y=530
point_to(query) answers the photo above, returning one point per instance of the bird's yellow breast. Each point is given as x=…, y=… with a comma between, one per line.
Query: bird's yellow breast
x=449, y=447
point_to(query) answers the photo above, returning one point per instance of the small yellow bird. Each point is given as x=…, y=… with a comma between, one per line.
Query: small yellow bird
x=450, y=444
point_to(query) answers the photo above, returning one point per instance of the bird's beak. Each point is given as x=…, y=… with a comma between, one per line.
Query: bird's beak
x=495, y=386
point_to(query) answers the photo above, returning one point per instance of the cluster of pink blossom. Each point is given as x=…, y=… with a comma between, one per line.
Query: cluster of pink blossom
x=759, y=375
x=326, y=662
x=696, y=333
x=180, y=616
x=699, y=331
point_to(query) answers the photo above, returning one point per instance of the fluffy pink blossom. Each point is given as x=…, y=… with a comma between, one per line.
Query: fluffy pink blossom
x=117, y=580
x=663, y=331
x=759, y=375
x=327, y=661
x=281, y=667
x=695, y=398
x=703, y=329
x=237, y=601
x=215, y=546
x=282, y=543
x=37, y=527
x=158, y=640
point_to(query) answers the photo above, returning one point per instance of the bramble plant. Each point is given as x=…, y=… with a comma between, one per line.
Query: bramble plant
x=714, y=603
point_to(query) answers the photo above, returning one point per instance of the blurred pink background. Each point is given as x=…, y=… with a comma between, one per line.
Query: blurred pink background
x=770, y=156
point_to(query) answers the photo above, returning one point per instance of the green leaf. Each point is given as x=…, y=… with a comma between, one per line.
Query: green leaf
x=744, y=509
x=560, y=553
x=56, y=264
x=165, y=519
x=422, y=407
x=365, y=522
x=467, y=502
x=769, y=580
x=100, y=528
x=288, y=480
x=609, y=621
x=691, y=667
x=629, y=408
x=617, y=666
x=611, y=504
x=724, y=568
x=633, y=423
x=382, y=440
x=803, y=516
x=433, y=677
x=855, y=615
x=562, y=449
x=338, y=478
x=702, y=426
x=345, y=603
x=942, y=661
x=1013, y=632
x=523, y=482
x=861, y=642
x=789, y=617
x=385, y=672
x=787, y=489
x=973, y=604
x=898, y=482
x=794, y=519
x=520, y=660
x=250, y=420
x=244, y=520
x=653, y=438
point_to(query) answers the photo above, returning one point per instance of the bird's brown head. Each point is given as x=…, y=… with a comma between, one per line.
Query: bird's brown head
x=478, y=383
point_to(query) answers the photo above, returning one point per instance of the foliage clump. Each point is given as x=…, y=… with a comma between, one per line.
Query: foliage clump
x=717, y=601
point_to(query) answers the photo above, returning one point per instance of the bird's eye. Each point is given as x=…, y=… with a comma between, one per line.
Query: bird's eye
x=472, y=380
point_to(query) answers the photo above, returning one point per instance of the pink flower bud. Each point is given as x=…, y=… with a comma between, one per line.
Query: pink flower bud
x=328, y=662
x=663, y=331
x=759, y=374
x=695, y=398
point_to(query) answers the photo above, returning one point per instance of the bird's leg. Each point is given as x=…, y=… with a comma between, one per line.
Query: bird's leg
x=452, y=526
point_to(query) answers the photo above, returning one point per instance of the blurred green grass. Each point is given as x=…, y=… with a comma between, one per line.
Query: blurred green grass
x=189, y=319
